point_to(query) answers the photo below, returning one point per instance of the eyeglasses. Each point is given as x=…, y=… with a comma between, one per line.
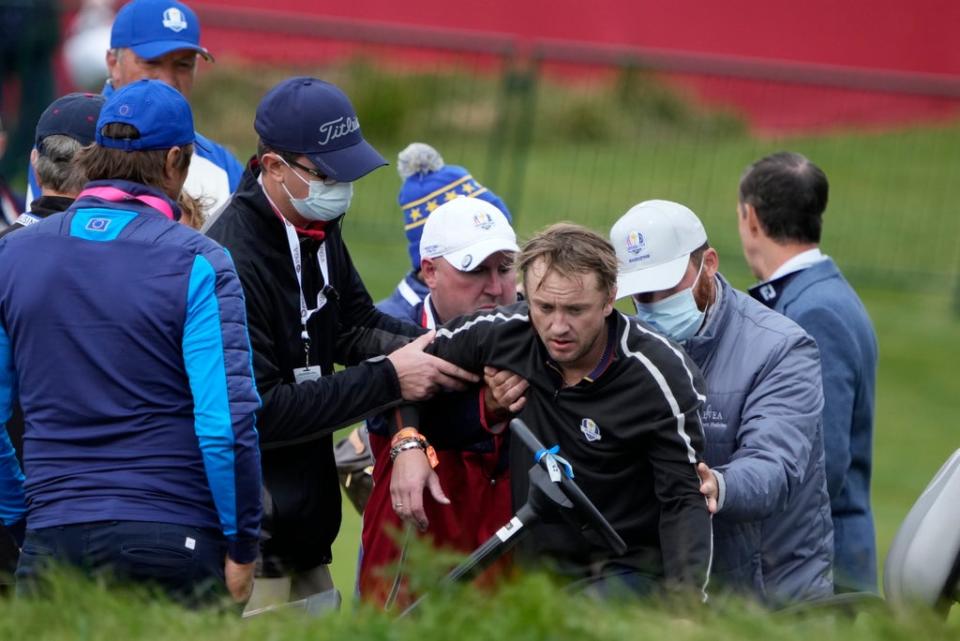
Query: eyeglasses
x=310, y=170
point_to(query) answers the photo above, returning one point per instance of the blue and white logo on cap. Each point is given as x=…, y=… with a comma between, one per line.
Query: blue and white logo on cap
x=483, y=220
x=635, y=242
x=174, y=20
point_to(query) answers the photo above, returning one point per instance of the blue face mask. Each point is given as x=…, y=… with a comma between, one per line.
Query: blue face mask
x=677, y=316
x=323, y=202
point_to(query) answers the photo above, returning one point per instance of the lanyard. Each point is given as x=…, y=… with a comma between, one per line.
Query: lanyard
x=305, y=312
x=294, y=242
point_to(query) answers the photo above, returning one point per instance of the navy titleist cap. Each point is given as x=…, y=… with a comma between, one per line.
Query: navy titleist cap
x=153, y=28
x=311, y=117
x=74, y=115
x=158, y=111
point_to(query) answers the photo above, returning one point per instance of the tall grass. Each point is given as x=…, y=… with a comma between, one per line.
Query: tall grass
x=529, y=609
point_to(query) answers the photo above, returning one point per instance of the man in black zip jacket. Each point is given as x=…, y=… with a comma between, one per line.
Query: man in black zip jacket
x=307, y=309
x=619, y=400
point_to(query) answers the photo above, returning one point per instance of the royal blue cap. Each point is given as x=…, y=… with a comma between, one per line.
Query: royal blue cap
x=157, y=110
x=153, y=28
x=314, y=118
x=74, y=115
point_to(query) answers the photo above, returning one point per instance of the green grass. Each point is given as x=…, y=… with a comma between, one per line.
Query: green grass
x=532, y=609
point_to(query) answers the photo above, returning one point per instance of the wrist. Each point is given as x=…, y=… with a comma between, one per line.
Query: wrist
x=491, y=420
x=721, y=489
x=409, y=439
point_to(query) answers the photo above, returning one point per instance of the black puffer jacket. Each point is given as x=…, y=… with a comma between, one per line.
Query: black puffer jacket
x=297, y=421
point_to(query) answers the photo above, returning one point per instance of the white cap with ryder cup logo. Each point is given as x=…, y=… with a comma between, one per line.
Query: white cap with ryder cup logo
x=465, y=231
x=654, y=241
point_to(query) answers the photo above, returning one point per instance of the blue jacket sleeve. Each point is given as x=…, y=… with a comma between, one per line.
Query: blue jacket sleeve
x=840, y=360
x=775, y=441
x=216, y=353
x=12, y=503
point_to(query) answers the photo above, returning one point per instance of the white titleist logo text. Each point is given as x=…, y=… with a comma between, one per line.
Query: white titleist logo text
x=338, y=128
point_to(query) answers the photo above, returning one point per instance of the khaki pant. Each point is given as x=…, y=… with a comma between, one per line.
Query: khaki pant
x=269, y=592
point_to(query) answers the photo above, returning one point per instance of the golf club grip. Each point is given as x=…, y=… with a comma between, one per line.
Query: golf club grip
x=523, y=432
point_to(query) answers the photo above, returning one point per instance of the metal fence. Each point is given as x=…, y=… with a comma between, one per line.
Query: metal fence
x=574, y=131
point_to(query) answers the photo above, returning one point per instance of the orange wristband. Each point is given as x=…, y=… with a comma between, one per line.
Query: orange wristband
x=431, y=456
x=407, y=432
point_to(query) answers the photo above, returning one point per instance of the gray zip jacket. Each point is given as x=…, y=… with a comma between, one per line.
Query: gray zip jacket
x=773, y=537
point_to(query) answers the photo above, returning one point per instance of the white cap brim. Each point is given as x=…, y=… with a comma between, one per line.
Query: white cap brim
x=469, y=258
x=652, y=279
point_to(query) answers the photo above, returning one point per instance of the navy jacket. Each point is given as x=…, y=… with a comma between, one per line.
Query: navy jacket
x=297, y=421
x=821, y=301
x=406, y=301
x=123, y=335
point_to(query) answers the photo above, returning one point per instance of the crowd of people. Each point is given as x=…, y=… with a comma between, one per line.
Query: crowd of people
x=181, y=336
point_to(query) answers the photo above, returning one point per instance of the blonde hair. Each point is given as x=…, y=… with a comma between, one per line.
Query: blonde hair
x=571, y=250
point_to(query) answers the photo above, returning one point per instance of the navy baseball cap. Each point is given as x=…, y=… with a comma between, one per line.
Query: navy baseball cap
x=314, y=118
x=153, y=28
x=158, y=111
x=74, y=115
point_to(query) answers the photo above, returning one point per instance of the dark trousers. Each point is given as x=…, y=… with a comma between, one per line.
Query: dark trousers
x=185, y=563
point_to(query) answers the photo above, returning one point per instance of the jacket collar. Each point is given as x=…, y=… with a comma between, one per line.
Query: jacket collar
x=142, y=197
x=777, y=293
x=48, y=205
x=720, y=313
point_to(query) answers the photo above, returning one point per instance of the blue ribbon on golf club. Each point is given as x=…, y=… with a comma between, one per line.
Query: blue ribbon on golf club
x=555, y=463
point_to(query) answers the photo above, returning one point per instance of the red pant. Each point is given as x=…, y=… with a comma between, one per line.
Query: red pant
x=478, y=486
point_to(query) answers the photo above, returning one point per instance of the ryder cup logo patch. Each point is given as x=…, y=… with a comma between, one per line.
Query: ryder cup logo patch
x=590, y=430
x=635, y=242
x=482, y=220
x=173, y=20
x=97, y=224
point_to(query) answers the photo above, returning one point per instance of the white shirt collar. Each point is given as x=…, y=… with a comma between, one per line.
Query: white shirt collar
x=800, y=261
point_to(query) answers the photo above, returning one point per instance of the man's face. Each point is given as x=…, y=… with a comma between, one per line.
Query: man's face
x=455, y=293
x=568, y=315
x=177, y=69
x=284, y=181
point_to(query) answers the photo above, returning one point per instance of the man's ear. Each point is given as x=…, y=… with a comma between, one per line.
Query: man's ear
x=428, y=272
x=271, y=166
x=34, y=155
x=611, y=300
x=113, y=67
x=711, y=262
x=171, y=161
x=750, y=219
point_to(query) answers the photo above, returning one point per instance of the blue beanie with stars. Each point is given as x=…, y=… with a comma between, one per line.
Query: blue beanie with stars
x=427, y=184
